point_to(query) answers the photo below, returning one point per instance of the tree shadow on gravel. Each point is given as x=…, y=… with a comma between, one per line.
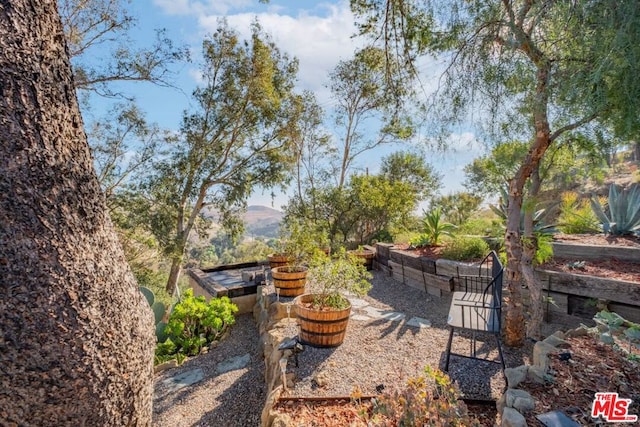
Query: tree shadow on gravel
x=238, y=404
x=400, y=327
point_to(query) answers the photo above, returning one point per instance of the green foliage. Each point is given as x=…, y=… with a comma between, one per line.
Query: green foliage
x=358, y=86
x=300, y=239
x=465, y=248
x=576, y=216
x=194, y=323
x=428, y=400
x=457, y=207
x=234, y=139
x=434, y=227
x=544, y=249
x=622, y=215
x=159, y=310
x=328, y=277
x=420, y=241
x=482, y=227
x=614, y=329
x=411, y=169
x=367, y=207
x=540, y=226
x=488, y=174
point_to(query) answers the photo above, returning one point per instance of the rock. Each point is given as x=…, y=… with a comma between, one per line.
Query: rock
x=501, y=403
x=516, y=375
x=541, y=351
x=536, y=374
x=183, y=380
x=520, y=400
x=268, y=415
x=512, y=418
x=419, y=322
x=291, y=379
x=321, y=378
x=281, y=420
x=578, y=332
x=514, y=394
x=559, y=334
x=555, y=341
x=233, y=363
x=164, y=366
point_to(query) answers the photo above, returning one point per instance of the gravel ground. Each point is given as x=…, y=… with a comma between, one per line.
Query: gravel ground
x=382, y=352
x=231, y=399
x=374, y=353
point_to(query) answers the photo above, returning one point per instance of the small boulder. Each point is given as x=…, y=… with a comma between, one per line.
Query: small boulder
x=541, y=352
x=556, y=342
x=516, y=375
x=536, y=374
x=512, y=418
x=321, y=378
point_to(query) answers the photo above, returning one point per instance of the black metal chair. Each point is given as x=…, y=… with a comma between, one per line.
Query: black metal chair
x=476, y=306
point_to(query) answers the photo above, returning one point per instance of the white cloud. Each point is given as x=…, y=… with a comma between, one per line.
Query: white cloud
x=318, y=38
x=189, y=7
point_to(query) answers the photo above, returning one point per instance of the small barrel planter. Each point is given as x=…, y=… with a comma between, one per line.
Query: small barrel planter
x=365, y=255
x=320, y=328
x=278, y=260
x=290, y=280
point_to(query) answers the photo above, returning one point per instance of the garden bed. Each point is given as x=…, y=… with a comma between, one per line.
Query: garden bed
x=593, y=367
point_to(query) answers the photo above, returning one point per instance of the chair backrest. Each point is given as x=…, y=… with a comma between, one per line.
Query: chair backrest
x=497, y=272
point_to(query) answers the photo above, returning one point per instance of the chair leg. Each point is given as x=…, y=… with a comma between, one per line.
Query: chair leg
x=500, y=351
x=446, y=364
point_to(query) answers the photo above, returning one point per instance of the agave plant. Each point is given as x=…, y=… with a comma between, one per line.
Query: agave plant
x=434, y=226
x=622, y=213
x=539, y=216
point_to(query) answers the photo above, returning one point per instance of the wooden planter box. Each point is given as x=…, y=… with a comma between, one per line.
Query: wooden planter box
x=595, y=252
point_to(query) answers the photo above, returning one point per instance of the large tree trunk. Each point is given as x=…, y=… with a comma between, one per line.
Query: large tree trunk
x=174, y=275
x=514, y=312
x=77, y=339
x=530, y=246
x=514, y=317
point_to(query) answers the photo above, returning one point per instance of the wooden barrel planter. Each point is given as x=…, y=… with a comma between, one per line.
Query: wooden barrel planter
x=320, y=328
x=290, y=280
x=365, y=255
x=278, y=260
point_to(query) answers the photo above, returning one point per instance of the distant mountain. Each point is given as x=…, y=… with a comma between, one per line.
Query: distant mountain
x=262, y=221
x=262, y=214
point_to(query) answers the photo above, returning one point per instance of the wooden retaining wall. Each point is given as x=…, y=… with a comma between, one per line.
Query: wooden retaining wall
x=595, y=252
x=567, y=293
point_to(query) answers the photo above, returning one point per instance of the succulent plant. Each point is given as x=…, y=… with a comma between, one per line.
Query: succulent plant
x=623, y=206
x=159, y=311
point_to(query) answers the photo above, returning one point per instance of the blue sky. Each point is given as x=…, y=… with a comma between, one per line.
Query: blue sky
x=318, y=33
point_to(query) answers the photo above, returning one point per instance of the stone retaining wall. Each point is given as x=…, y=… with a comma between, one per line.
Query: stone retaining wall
x=516, y=402
x=273, y=326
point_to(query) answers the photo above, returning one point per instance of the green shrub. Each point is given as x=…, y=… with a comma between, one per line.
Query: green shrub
x=465, y=249
x=420, y=241
x=428, y=400
x=194, y=323
x=482, y=227
x=576, y=216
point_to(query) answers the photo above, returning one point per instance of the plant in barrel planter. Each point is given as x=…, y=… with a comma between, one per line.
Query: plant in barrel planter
x=323, y=314
x=364, y=255
x=297, y=245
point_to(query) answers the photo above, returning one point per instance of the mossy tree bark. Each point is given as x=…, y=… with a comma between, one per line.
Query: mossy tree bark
x=77, y=341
